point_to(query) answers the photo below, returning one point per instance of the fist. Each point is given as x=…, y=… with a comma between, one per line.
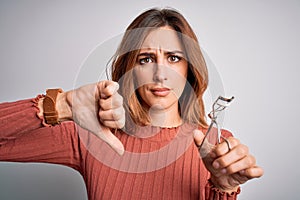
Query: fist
x=98, y=107
x=229, y=167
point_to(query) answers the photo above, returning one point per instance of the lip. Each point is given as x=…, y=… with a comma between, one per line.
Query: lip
x=160, y=92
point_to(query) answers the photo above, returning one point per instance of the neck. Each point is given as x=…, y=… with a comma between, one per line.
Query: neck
x=165, y=117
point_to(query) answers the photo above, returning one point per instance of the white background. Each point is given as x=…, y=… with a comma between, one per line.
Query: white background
x=253, y=44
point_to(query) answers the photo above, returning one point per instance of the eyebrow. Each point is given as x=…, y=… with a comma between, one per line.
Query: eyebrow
x=146, y=54
x=167, y=53
x=175, y=52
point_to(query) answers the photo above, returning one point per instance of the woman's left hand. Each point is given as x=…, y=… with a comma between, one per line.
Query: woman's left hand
x=229, y=167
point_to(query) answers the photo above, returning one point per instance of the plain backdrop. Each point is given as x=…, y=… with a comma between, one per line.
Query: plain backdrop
x=254, y=45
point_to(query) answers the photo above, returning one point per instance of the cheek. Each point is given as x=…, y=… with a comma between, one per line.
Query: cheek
x=143, y=77
x=140, y=81
x=142, y=92
x=180, y=87
x=184, y=70
x=179, y=80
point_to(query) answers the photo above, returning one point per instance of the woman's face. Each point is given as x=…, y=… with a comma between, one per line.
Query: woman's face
x=161, y=69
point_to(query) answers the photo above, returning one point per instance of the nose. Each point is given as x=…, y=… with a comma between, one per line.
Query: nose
x=159, y=73
x=159, y=70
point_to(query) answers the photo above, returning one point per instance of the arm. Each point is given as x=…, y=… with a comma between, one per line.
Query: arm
x=24, y=137
x=17, y=118
x=95, y=107
x=58, y=145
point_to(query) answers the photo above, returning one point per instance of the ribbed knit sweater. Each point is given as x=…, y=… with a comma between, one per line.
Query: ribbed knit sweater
x=158, y=163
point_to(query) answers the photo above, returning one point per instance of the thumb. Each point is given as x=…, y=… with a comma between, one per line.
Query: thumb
x=111, y=140
x=107, y=88
x=198, y=137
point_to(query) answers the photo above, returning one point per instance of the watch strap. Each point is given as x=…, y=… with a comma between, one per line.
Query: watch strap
x=49, y=106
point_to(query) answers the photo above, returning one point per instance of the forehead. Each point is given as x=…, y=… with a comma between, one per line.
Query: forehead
x=164, y=38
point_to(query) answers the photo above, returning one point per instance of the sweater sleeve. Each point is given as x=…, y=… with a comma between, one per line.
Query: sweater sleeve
x=17, y=118
x=213, y=193
x=25, y=138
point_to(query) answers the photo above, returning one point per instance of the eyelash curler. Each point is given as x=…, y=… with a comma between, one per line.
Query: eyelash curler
x=211, y=137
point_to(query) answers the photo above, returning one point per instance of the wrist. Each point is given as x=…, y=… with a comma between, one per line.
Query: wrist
x=63, y=107
x=222, y=187
x=40, y=107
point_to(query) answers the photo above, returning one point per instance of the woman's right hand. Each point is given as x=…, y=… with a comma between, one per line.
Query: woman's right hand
x=97, y=108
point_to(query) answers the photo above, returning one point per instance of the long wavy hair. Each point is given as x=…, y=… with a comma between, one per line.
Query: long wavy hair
x=191, y=101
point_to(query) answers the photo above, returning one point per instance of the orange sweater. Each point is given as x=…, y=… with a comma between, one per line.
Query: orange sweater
x=157, y=164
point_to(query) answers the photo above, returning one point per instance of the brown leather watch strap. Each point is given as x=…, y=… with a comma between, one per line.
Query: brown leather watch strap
x=49, y=106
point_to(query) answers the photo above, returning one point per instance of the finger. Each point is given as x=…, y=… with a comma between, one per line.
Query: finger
x=88, y=120
x=112, y=114
x=204, y=147
x=237, y=153
x=111, y=102
x=240, y=165
x=198, y=137
x=114, y=123
x=107, y=88
x=107, y=136
x=253, y=172
x=222, y=148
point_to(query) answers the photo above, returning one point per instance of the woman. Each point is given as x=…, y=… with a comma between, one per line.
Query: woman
x=159, y=77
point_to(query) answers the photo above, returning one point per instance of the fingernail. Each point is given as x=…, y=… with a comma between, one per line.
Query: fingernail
x=120, y=151
x=212, y=155
x=223, y=171
x=216, y=165
x=242, y=172
x=196, y=133
x=112, y=88
x=102, y=96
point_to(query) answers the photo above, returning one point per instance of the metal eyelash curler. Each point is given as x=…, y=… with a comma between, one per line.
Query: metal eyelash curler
x=211, y=138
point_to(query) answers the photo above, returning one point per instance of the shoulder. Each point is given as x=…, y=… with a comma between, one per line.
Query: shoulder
x=225, y=133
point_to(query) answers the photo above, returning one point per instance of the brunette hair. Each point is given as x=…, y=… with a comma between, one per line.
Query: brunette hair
x=191, y=100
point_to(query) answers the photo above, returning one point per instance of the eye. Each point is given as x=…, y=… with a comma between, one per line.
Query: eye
x=145, y=60
x=174, y=59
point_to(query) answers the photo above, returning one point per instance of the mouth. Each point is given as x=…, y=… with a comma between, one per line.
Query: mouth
x=160, y=92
